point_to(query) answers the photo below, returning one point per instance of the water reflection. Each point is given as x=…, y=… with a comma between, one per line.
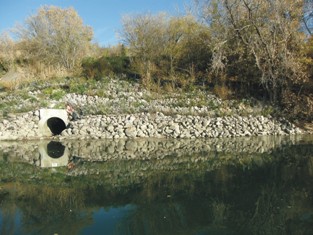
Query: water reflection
x=114, y=220
x=53, y=154
x=143, y=149
x=225, y=186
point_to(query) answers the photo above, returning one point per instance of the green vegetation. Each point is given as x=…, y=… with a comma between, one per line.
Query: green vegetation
x=112, y=65
x=119, y=96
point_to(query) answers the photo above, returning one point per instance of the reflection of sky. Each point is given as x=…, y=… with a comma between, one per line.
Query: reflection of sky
x=8, y=226
x=309, y=19
x=310, y=23
x=109, y=221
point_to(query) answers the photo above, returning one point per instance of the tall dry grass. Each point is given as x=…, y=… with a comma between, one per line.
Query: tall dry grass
x=30, y=73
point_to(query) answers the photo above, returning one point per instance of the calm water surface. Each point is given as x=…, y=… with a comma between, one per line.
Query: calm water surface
x=198, y=187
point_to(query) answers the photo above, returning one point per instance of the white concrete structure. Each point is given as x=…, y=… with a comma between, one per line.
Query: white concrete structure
x=52, y=121
x=55, y=155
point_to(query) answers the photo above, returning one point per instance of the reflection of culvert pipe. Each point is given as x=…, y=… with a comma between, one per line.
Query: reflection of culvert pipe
x=56, y=125
x=53, y=154
x=55, y=149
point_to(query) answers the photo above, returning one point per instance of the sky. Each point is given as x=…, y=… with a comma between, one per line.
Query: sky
x=104, y=16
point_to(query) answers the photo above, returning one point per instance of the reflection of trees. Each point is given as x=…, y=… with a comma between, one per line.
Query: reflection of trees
x=46, y=209
x=268, y=218
x=156, y=218
x=278, y=195
x=269, y=199
x=8, y=216
x=243, y=193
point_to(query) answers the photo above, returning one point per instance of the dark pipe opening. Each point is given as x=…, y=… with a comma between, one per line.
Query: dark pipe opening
x=55, y=149
x=56, y=125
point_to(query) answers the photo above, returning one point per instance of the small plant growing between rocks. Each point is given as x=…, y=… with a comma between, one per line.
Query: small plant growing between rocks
x=57, y=94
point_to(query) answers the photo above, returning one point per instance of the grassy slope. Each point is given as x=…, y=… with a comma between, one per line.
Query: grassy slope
x=50, y=93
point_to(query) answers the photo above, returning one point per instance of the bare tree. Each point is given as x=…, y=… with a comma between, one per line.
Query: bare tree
x=267, y=30
x=165, y=48
x=143, y=34
x=7, y=51
x=55, y=36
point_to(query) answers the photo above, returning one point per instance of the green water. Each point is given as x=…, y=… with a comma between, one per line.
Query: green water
x=215, y=186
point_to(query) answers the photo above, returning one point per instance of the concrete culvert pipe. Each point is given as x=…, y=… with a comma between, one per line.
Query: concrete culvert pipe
x=52, y=121
x=56, y=125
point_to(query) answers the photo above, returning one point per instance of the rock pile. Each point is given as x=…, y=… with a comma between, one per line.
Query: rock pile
x=23, y=126
x=136, y=102
x=145, y=125
x=150, y=125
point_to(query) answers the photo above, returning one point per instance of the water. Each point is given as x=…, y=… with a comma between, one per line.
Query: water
x=198, y=187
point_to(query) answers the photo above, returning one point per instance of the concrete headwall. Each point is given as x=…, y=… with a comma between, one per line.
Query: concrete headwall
x=52, y=121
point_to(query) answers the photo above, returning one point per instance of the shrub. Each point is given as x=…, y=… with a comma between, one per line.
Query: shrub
x=222, y=91
x=3, y=68
x=89, y=68
x=106, y=66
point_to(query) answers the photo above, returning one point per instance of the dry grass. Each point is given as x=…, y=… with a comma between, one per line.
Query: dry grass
x=42, y=71
x=38, y=71
x=222, y=92
x=299, y=106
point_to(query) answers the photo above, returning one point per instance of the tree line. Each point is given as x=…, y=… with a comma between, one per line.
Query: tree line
x=238, y=48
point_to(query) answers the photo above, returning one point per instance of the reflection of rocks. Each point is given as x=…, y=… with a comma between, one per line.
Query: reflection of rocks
x=182, y=150
x=159, y=148
x=20, y=151
x=125, y=162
